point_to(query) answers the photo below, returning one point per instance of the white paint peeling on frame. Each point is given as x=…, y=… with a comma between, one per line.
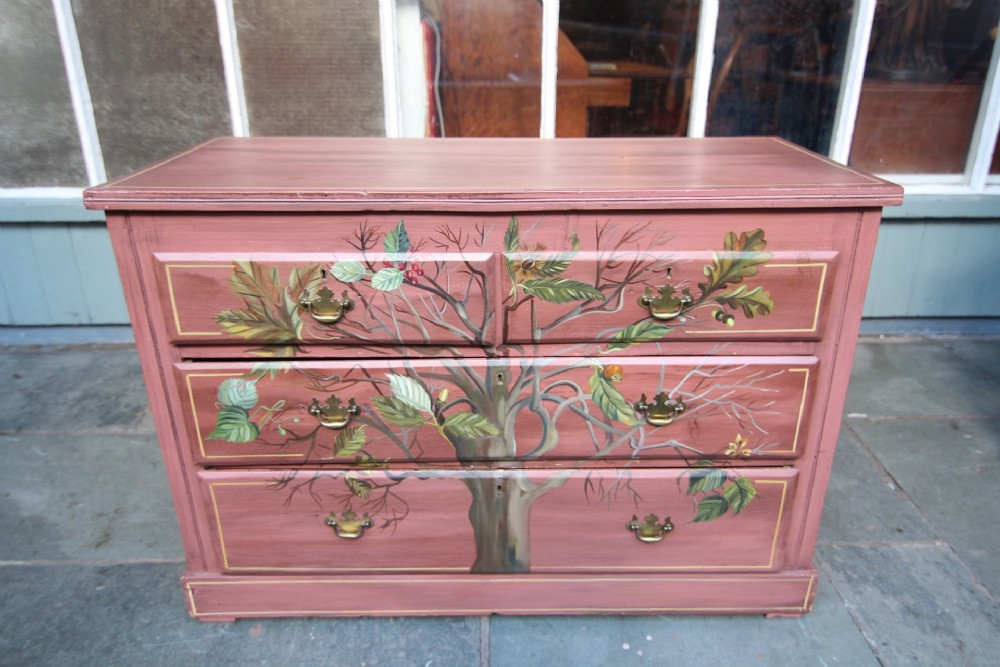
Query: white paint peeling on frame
x=232, y=68
x=704, y=60
x=79, y=91
x=854, y=73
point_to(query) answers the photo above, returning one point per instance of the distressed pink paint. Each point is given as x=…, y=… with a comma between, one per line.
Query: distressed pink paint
x=763, y=392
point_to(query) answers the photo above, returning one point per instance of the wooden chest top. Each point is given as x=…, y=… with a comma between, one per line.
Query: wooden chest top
x=330, y=174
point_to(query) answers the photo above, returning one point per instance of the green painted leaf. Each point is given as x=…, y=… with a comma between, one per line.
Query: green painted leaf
x=256, y=323
x=396, y=412
x=740, y=494
x=610, y=401
x=348, y=271
x=512, y=237
x=409, y=391
x=349, y=441
x=711, y=508
x=643, y=331
x=255, y=282
x=753, y=241
x=303, y=281
x=469, y=425
x=752, y=302
x=574, y=242
x=238, y=393
x=387, y=279
x=706, y=480
x=397, y=241
x=359, y=487
x=234, y=425
x=369, y=462
x=561, y=290
x=744, y=253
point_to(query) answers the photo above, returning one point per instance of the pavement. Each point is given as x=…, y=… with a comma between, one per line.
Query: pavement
x=90, y=553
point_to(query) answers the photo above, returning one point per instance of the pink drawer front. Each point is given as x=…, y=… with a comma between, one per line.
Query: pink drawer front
x=472, y=410
x=613, y=281
x=273, y=302
x=502, y=521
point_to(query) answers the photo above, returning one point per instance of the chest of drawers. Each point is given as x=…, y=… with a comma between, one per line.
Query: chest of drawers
x=496, y=376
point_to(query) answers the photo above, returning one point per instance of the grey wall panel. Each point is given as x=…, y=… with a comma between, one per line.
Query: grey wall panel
x=59, y=274
x=39, y=142
x=311, y=67
x=156, y=77
x=935, y=269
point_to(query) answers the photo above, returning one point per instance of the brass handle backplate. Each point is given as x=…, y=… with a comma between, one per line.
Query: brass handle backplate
x=662, y=411
x=349, y=526
x=325, y=309
x=649, y=529
x=667, y=305
x=333, y=414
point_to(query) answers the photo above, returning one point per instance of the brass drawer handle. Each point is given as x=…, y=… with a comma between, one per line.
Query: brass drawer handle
x=325, y=309
x=349, y=526
x=649, y=530
x=662, y=411
x=666, y=306
x=333, y=414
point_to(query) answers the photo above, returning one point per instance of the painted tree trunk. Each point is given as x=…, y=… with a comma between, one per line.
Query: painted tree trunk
x=499, y=513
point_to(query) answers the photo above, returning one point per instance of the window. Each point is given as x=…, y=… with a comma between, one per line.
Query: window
x=905, y=88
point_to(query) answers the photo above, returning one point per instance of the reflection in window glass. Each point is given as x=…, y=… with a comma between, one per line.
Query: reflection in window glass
x=625, y=67
x=484, y=67
x=923, y=83
x=777, y=69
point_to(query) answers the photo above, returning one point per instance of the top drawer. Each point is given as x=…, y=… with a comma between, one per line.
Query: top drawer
x=605, y=280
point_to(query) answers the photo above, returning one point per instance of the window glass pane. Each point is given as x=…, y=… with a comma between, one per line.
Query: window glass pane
x=484, y=67
x=777, y=69
x=923, y=83
x=38, y=140
x=155, y=75
x=625, y=67
x=311, y=67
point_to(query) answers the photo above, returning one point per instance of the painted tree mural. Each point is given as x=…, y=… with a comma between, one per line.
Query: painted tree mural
x=505, y=410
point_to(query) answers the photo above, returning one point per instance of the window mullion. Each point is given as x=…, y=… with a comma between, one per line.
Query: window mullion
x=390, y=67
x=232, y=68
x=79, y=92
x=550, y=67
x=862, y=20
x=704, y=59
x=984, y=136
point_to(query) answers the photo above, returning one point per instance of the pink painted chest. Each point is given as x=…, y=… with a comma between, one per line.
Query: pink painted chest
x=401, y=377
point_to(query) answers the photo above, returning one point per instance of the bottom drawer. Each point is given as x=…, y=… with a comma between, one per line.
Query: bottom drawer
x=500, y=521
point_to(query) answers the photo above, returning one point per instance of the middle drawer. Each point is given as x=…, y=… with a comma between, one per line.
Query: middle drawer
x=467, y=410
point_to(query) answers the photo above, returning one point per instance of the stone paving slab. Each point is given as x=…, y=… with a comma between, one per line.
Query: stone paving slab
x=918, y=379
x=950, y=470
x=984, y=353
x=134, y=615
x=915, y=604
x=826, y=636
x=72, y=390
x=865, y=505
x=85, y=497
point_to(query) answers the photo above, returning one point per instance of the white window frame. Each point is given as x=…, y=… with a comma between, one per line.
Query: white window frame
x=973, y=193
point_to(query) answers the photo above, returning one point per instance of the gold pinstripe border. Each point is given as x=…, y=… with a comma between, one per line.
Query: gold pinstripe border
x=819, y=303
